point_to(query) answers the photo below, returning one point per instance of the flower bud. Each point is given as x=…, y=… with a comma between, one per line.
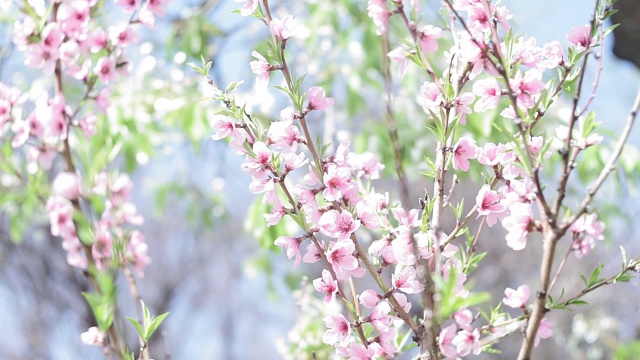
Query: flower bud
x=67, y=185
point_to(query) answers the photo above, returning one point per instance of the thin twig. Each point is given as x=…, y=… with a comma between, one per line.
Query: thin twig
x=610, y=165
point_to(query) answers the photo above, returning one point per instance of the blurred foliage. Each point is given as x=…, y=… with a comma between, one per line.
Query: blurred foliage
x=628, y=351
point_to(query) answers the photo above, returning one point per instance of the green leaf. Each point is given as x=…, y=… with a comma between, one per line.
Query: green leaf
x=624, y=257
x=138, y=327
x=594, y=279
x=608, y=30
x=155, y=323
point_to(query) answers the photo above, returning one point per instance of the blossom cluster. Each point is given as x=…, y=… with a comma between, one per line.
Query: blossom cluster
x=333, y=200
x=69, y=44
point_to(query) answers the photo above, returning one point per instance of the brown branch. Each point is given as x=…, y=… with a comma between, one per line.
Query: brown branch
x=539, y=309
x=610, y=165
x=566, y=163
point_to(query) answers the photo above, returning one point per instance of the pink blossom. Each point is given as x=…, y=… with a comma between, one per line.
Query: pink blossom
x=445, y=340
x=490, y=205
x=293, y=161
x=360, y=352
x=339, y=225
x=157, y=6
x=102, y=248
x=284, y=135
x=326, y=285
x=106, y=69
x=366, y=164
x=317, y=99
x=292, y=247
x=464, y=150
x=61, y=217
x=380, y=317
x=50, y=115
x=74, y=17
x=98, y=40
x=66, y=185
x=379, y=14
x=369, y=298
x=552, y=54
x=22, y=31
x=313, y=254
x=536, y=143
x=526, y=52
x=577, y=137
x=75, y=252
x=51, y=37
x=586, y=229
x=137, y=251
x=307, y=200
x=222, y=126
x=336, y=180
x=258, y=164
x=121, y=35
x=402, y=247
x=467, y=51
x=21, y=130
x=516, y=298
x=128, y=5
x=93, y=336
x=284, y=28
x=338, y=330
x=41, y=156
x=430, y=97
x=367, y=215
x=501, y=14
x=342, y=154
x=406, y=219
x=467, y=341
x=545, y=331
x=526, y=87
x=146, y=16
x=404, y=279
x=87, y=124
x=428, y=37
x=340, y=256
x=102, y=101
x=249, y=7
x=261, y=68
x=39, y=56
x=463, y=318
x=518, y=224
x=120, y=213
x=259, y=186
x=461, y=106
x=580, y=37
x=402, y=300
x=399, y=55
x=478, y=20
x=121, y=189
x=489, y=92
x=493, y=155
x=387, y=341
x=384, y=249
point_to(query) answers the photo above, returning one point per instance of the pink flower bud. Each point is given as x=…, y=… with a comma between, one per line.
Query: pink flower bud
x=93, y=336
x=67, y=185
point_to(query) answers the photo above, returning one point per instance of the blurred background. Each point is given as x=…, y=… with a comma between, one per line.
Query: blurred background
x=214, y=266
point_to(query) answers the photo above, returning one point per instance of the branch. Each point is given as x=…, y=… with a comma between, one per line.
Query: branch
x=609, y=166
